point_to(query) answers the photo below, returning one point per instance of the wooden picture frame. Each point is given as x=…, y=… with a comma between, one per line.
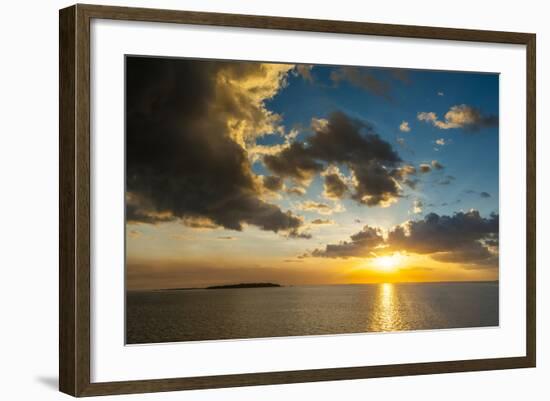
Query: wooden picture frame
x=74, y=206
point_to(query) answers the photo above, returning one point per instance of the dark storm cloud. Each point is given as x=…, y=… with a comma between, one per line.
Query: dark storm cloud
x=341, y=140
x=181, y=161
x=375, y=186
x=474, y=253
x=362, y=78
x=140, y=210
x=377, y=81
x=465, y=237
x=334, y=186
x=360, y=244
x=295, y=161
x=273, y=183
x=456, y=238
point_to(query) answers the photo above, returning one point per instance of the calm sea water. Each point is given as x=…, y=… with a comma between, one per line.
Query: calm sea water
x=189, y=315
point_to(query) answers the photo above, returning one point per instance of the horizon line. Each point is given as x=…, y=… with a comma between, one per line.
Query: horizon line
x=312, y=285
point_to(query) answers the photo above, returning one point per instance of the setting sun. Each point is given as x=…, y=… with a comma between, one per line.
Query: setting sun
x=389, y=262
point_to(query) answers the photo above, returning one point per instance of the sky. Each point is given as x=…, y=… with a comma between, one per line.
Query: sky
x=308, y=174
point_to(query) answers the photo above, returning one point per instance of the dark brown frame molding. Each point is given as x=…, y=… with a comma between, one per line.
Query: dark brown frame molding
x=74, y=204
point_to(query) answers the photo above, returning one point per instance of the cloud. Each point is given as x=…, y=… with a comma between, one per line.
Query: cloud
x=412, y=183
x=440, y=142
x=322, y=222
x=256, y=151
x=304, y=70
x=417, y=206
x=295, y=162
x=460, y=116
x=456, y=238
x=437, y=165
x=374, y=185
x=427, y=116
x=319, y=124
x=362, y=78
x=299, y=234
x=440, y=93
x=403, y=143
x=273, y=183
x=361, y=244
x=299, y=191
x=481, y=194
x=334, y=186
x=404, y=171
x=377, y=81
x=401, y=75
x=404, y=127
x=202, y=223
x=319, y=207
x=141, y=209
x=425, y=168
x=403, y=174
x=465, y=237
x=189, y=124
x=446, y=181
x=134, y=233
x=341, y=140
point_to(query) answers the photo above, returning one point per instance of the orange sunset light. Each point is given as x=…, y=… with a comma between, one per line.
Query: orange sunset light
x=388, y=263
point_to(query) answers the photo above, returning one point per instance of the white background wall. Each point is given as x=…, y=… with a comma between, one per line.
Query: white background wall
x=29, y=183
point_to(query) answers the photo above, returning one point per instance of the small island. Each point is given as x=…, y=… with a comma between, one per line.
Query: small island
x=243, y=285
x=221, y=287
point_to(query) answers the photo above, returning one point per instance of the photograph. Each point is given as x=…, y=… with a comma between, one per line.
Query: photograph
x=267, y=199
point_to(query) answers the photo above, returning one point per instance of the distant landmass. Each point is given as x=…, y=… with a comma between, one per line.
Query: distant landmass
x=219, y=287
x=243, y=285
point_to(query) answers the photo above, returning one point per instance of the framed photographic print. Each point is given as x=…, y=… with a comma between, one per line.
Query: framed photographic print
x=250, y=200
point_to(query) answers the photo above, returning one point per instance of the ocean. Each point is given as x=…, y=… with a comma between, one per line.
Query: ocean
x=239, y=313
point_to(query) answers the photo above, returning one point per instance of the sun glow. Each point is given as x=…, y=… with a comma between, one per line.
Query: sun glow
x=388, y=262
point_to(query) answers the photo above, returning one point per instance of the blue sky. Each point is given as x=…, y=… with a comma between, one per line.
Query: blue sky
x=470, y=156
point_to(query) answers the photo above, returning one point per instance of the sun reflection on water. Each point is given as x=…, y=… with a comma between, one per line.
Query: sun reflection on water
x=387, y=316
